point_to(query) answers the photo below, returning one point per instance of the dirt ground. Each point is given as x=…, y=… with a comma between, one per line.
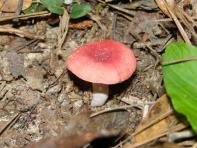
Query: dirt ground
x=40, y=98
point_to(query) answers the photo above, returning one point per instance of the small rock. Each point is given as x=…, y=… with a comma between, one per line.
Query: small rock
x=77, y=104
x=55, y=89
x=63, y=96
x=35, y=77
x=16, y=64
x=4, y=65
x=39, y=57
x=21, y=95
x=74, y=96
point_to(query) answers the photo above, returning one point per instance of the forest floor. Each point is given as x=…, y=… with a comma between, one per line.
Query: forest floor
x=41, y=99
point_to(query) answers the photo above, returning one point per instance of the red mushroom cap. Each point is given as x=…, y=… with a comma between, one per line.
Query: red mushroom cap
x=104, y=61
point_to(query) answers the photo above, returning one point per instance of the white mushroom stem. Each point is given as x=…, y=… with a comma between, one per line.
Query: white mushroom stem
x=100, y=94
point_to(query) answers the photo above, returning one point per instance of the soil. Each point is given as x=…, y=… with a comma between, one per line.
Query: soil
x=40, y=98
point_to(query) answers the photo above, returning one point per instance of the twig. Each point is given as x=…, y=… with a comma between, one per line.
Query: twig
x=187, y=21
x=112, y=109
x=131, y=100
x=119, y=145
x=181, y=30
x=168, y=19
x=97, y=20
x=20, y=33
x=13, y=120
x=25, y=45
x=63, y=29
x=118, y=8
x=25, y=16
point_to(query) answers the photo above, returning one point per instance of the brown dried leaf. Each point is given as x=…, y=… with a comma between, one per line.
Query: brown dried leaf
x=162, y=5
x=11, y=5
x=159, y=122
x=157, y=145
x=81, y=25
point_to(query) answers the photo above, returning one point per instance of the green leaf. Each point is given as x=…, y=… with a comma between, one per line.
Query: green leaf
x=79, y=10
x=54, y=6
x=35, y=7
x=180, y=79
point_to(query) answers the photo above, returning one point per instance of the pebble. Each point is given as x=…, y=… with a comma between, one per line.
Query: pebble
x=54, y=89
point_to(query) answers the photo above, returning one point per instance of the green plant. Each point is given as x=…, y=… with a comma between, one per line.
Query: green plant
x=57, y=7
x=35, y=7
x=79, y=10
x=180, y=79
x=54, y=6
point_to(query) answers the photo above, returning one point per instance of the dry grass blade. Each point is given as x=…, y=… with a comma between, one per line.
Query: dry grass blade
x=153, y=122
x=63, y=29
x=188, y=22
x=13, y=120
x=181, y=30
x=162, y=6
x=176, y=128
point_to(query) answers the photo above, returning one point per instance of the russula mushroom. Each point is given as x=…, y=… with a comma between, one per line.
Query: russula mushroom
x=103, y=63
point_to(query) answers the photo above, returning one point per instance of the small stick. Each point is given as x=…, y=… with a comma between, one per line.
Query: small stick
x=120, y=144
x=63, y=29
x=13, y=120
x=20, y=33
x=97, y=20
x=25, y=16
x=113, y=109
x=25, y=45
x=167, y=19
x=118, y=8
x=178, y=24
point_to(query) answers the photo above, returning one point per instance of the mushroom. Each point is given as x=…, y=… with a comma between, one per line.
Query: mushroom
x=102, y=62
